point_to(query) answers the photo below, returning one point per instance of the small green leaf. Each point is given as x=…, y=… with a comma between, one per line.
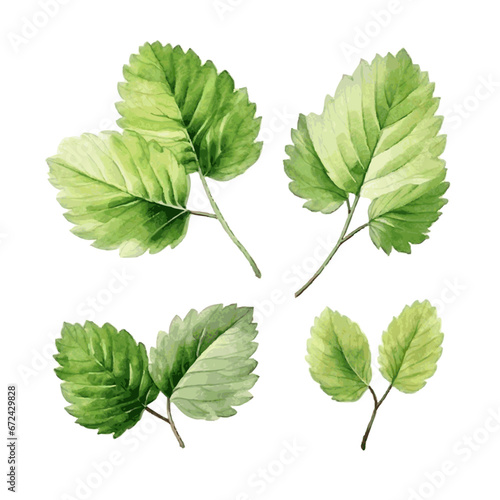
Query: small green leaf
x=339, y=356
x=169, y=96
x=310, y=180
x=411, y=347
x=204, y=363
x=106, y=377
x=406, y=215
x=122, y=192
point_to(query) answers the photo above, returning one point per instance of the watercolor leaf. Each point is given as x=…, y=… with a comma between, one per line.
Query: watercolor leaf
x=171, y=97
x=377, y=138
x=406, y=215
x=339, y=357
x=122, y=192
x=380, y=131
x=310, y=179
x=204, y=364
x=105, y=377
x=411, y=347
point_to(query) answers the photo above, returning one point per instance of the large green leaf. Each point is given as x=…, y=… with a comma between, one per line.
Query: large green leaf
x=204, y=363
x=171, y=97
x=378, y=132
x=411, y=347
x=378, y=139
x=339, y=356
x=106, y=377
x=122, y=192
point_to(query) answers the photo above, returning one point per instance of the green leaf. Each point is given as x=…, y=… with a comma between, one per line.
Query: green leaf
x=377, y=138
x=405, y=216
x=106, y=378
x=377, y=135
x=310, y=180
x=204, y=363
x=171, y=97
x=339, y=357
x=411, y=347
x=379, y=132
x=122, y=192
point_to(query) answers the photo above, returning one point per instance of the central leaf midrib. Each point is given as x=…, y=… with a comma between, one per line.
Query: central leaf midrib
x=184, y=126
x=117, y=383
x=382, y=127
x=201, y=354
x=349, y=364
x=135, y=196
x=408, y=346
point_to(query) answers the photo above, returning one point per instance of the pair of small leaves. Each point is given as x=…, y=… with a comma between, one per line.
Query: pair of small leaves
x=340, y=360
x=130, y=190
x=203, y=365
x=378, y=139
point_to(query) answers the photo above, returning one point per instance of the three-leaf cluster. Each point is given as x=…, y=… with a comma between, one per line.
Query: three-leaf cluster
x=130, y=190
x=340, y=360
x=377, y=138
x=203, y=365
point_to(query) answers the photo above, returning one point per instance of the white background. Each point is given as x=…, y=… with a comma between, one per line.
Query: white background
x=289, y=54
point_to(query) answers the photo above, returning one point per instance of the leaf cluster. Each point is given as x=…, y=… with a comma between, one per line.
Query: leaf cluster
x=129, y=191
x=340, y=360
x=203, y=365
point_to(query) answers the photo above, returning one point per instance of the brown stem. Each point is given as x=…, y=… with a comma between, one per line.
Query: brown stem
x=149, y=410
x=374, y=414
x=174, y=429
x=342, y=239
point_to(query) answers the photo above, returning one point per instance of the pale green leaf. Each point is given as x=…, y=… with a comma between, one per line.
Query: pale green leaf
x=411, y=347
x=106, y=377
x=204, y=362
x=378, y=133
x=406, y=215
x=339, y=356
x=122, y=192
x=171, y=97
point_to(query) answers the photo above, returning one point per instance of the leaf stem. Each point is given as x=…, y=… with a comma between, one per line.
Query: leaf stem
x=161, y=417
x=342, y=239
x=203, y=214
x=168, y=420
x=374, y=414
x=174, y=429
x=226, y=227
